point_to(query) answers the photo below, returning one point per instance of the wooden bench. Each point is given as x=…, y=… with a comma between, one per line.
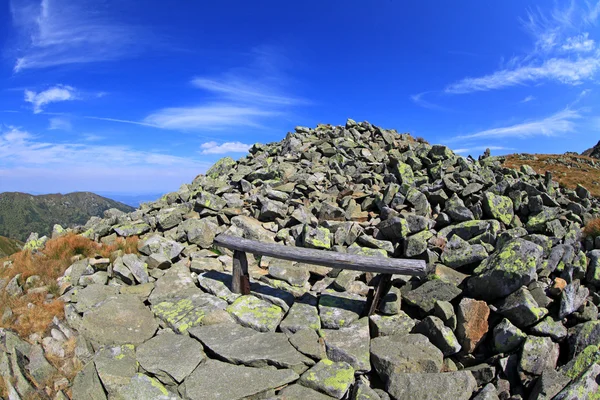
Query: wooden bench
x=385, y=266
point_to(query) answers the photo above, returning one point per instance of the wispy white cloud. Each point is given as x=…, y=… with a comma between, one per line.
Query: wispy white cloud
x=58, y=123
x=420, y=101
x=123, y=121
x=241, y=97
x=528, y=99
x=481, y=148
x=241, y=89
x=579, y=44
x=561, y=52
x=556, y=124
x=211, y=116
x=52, y=95
x=562, y=70
x=227, y=147
x=90, y=137
x=58, y=32
x=27, y=159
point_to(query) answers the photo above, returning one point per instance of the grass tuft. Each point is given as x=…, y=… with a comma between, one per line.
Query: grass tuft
x=592, y=229
x=33, y=312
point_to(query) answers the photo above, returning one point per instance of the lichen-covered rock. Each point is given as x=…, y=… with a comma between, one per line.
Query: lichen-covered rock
x=183, y=314
x=142, y=386
x=387, y=325
x=585, y=387
x=498, y=207
x=538, y=354
x=350, y=344
x=133, y=229
x=506, y=270
x=458, y=253
x=116, y=365
x=329, y=377
x=317, y=238
x=256, y=314
x=425, y=296
x=440, y=335
x=339, y=309
x=301, y=316
x=507, y=337
x=521, y=308
x=582, y=335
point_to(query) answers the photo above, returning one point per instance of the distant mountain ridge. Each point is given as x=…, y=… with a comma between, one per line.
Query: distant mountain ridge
x=23, y=213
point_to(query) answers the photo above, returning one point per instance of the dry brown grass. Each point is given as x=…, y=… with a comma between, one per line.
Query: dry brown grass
x=32, y=313
x=592, y=228
x=577, y=172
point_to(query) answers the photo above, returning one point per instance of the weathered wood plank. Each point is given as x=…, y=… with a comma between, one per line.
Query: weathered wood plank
x=240, y=282
x=385, y=282
x=326, y=258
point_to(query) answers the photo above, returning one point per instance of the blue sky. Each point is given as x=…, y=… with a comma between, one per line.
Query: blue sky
x=141, y=96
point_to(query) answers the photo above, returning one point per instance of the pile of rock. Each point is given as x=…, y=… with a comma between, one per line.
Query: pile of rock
x=509, y=309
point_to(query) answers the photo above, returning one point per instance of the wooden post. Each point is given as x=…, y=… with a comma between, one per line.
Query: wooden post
x=385, y=282
x=240, y=279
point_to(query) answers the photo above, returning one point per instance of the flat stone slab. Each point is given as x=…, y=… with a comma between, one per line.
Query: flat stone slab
x=411, y=353
x=122, y=319
x=350, y=344
x=256, y=313
x=142, y=386
x=423, y=386
x=299, y=392
x=91, y=295
x=301, y=316
x=387, y=325
x=116, y=365
x=182, y=314
x=425, y=296
x=216, y=380
x=170, y=357
x=239, y=345
x=175, y=283
x=338, y=309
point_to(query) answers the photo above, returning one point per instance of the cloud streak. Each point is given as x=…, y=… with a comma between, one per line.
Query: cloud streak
x=566, y=71
x=241, y=97
x=227, y=147
x=59, y=32
x=29, y=163
x=556, y=124
x=562, y=52
x=52, y=95
x=58, y=123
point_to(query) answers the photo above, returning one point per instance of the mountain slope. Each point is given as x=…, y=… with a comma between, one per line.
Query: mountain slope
x=9, y=246
x=567, y=169
x=22, y=213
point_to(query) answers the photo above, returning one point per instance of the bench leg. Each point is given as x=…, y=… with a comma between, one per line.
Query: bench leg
x=240, y=282
x=385, y=282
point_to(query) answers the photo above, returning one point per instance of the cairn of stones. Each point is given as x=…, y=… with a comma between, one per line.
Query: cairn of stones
x=508, y=310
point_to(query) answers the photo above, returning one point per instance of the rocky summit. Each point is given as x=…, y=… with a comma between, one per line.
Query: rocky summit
x=508, y=310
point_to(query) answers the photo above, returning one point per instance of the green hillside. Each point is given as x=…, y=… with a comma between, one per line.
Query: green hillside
x=22, y=213
x=9, y=246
